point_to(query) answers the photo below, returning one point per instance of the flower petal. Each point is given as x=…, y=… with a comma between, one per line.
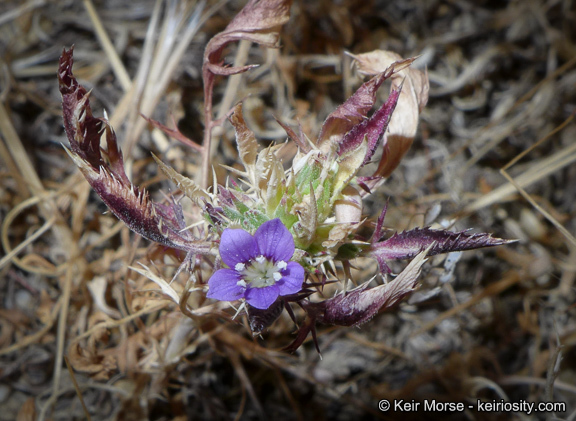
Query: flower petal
x=262, y=298
x=237, y=246
x=223, y=285
x=275, y=241
x=292, y=279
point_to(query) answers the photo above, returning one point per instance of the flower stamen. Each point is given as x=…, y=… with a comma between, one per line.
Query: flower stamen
x=260, y=272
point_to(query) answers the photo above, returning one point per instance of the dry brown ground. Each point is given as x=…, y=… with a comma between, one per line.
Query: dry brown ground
x=500, y=326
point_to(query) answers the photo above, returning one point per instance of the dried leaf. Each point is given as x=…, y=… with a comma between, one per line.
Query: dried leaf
x=174, y=133
x=245, y=139
x=97, y=287
x=408, y=244
x=165, y=287
x=358, y=306
x=92, y=362
x=339, y=233
x=299, y=138
x=28, y=411
x=259, y=21
x=104, y=170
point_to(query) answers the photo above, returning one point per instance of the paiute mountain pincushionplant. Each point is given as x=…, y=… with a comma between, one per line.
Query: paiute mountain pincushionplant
x=276, y=241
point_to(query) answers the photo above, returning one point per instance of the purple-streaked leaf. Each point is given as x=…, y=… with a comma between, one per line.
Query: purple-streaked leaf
x=355, y=109
x=358, y=306
x=352, y=112
x=377, y=235
x=309, y=326
x=404, y=122
x=367, y=184
x=371, y=129
x=408, y=244
x=104, y=170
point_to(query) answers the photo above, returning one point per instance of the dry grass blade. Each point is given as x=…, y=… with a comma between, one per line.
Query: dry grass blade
x=164, y=50
x=117, y=66
x=520, y=118
x=494, y=289
x=77, y=388
x=20, y=10
x=11, y=253
x=537, y=172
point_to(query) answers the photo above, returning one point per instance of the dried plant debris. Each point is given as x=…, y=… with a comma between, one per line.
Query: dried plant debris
x=277, y=219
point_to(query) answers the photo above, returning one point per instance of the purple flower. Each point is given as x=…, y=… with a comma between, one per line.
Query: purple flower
x=260, y=269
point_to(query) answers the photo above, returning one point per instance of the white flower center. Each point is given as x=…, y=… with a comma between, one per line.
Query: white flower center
x=261, y=272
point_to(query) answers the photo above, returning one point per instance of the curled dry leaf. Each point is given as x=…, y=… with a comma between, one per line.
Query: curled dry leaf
x=358, y=306
x=97, y=288
x=413, y=97
x=259, y=21
x=92, y=362
x=104, y=170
